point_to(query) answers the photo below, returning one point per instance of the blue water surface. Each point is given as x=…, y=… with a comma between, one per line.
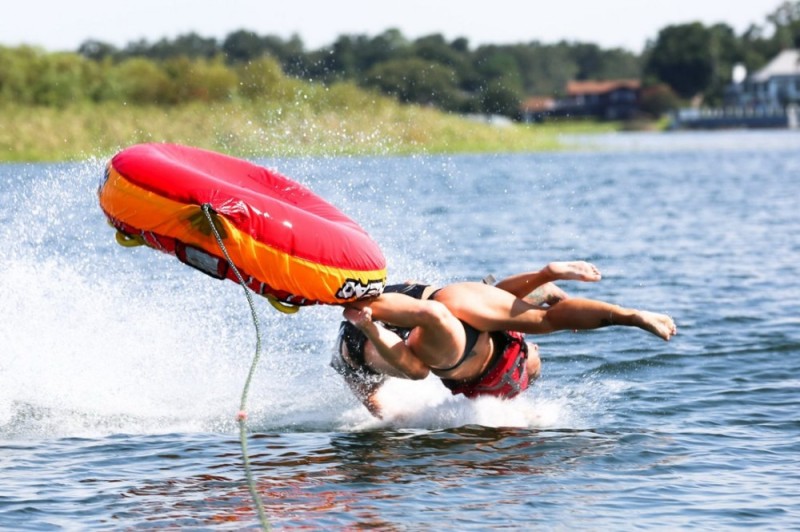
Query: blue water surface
x=121, y=369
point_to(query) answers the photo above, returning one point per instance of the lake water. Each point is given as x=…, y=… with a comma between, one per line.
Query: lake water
x=121, y=369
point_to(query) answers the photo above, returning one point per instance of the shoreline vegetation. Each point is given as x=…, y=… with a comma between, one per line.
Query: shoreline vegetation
x=366, y=125
x=253, y=95
x=65, y=107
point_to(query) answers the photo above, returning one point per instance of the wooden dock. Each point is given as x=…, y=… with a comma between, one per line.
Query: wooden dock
x=737, y=118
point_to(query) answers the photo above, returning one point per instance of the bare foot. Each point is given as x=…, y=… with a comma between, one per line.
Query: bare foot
x=659, y=324
x=574, y=271
x=359, y=317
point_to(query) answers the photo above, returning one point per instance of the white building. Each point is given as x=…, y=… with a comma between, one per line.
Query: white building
x=776, y=84
x=769, y=98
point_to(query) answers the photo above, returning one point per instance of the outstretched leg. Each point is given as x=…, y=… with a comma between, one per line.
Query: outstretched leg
x=523, y=284
x=490, y=309
x=581, y=314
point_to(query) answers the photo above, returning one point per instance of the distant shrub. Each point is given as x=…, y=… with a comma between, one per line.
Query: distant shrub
x=658, y=99
x=141, y=81
x=198, y=80
x=14, y=66
x=346, y=95
x=30, y=76
x=33, y=77
x=261, y=78
x=415, y=80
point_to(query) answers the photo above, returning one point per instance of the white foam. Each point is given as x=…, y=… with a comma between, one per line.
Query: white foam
x=96, y=338
x=428, y=404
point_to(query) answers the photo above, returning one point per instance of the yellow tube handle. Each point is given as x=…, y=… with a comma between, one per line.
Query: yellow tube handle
x=280, y=306
x=129, y=241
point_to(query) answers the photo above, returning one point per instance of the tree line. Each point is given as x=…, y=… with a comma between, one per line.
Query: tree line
x=688, y=60
x=428, y=71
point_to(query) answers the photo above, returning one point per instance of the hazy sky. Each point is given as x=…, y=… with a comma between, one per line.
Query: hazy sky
x=60, y=25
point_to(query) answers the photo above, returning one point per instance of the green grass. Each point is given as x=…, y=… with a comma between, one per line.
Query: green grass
x=339, y=121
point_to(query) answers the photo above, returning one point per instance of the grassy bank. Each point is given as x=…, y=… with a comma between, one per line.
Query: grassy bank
x=304, y=126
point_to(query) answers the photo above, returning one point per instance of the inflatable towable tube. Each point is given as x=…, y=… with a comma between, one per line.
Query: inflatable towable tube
x=289, y=244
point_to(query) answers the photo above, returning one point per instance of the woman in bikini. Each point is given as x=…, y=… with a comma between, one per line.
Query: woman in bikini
x=470, y=334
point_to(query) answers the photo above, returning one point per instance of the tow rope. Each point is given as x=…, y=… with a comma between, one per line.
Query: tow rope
x=241, y=416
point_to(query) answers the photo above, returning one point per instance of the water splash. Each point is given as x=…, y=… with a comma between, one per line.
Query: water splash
x=98, y=339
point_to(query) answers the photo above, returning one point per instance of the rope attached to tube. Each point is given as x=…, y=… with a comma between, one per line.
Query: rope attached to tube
x=241, y=417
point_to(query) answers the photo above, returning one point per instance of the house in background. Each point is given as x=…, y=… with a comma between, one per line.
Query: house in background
x=606, y=100
x=768, y=98
x=536, y=108
x=609, y=100
x=775, y=85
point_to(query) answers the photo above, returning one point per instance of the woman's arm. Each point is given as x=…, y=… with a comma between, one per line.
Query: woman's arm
x=391, y=348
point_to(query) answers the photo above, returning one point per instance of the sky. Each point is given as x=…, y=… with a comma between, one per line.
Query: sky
x=58, y=25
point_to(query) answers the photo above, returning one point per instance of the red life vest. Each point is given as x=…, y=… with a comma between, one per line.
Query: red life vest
x=507, y=374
